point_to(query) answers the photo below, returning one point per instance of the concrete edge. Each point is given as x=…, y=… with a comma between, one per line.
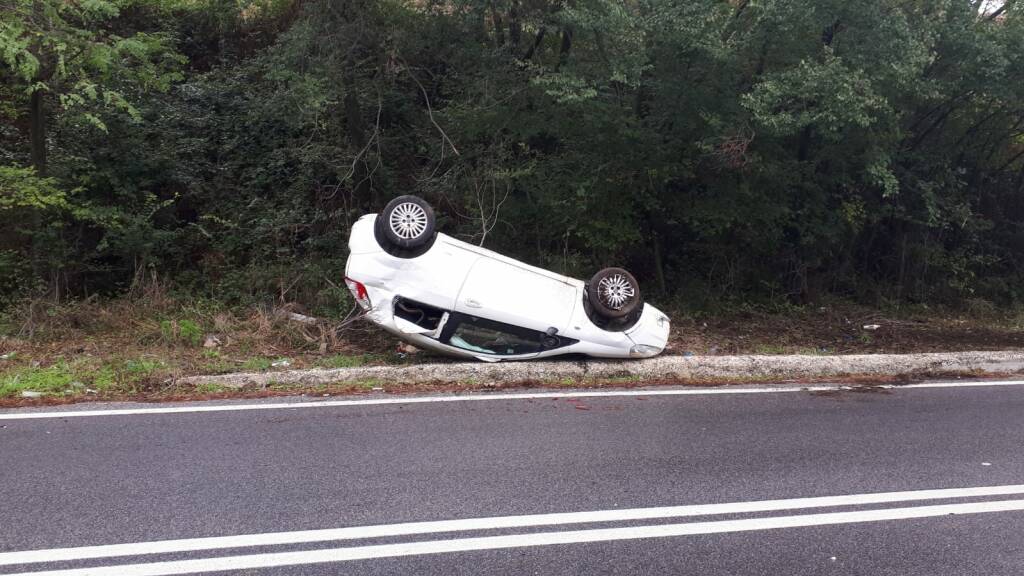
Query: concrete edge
x=674, y=368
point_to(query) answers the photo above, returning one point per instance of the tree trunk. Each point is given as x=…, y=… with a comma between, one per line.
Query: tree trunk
x=37, y=131
x=499, y=27
x=804, y=145
x=563, y=52
x=37, y=136
x=536, y=43
x=659, y=264
x=515, y=30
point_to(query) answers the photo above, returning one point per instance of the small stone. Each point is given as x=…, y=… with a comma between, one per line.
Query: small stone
x=31, y=394
x=404, y=348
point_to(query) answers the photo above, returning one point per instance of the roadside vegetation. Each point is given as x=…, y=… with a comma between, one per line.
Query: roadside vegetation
x=178, y=177
x=123, y=348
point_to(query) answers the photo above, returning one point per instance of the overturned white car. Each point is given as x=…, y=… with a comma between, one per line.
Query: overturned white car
x=445, y=295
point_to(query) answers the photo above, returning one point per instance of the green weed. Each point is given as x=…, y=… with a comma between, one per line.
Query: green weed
x=346, y=361
x=181, y=331
x=54, y=379
x=367, y=383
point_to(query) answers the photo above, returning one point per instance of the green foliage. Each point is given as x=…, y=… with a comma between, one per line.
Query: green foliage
x=826, y=95
x=67, y=48
x=22, y=188
x=762, y=152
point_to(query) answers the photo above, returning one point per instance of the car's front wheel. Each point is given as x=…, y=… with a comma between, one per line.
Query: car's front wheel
x=406, y=225
x=614, y=293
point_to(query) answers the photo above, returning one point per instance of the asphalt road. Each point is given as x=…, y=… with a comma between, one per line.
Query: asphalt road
x=70, y=482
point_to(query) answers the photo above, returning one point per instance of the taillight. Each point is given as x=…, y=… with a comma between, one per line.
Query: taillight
x=359, y=293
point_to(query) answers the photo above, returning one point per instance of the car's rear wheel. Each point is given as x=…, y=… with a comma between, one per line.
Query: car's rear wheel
x=614, y=293
x=408, y=221
x=406, y=227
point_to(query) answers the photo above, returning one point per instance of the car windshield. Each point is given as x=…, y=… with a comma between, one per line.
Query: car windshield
x=487, y=337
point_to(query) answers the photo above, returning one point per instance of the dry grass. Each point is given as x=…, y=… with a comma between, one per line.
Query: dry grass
x=839, y=328
x=145, y=344
x=138, y=347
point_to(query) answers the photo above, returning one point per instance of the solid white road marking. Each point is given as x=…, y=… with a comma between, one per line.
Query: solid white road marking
x=478, y=397
x=306, y=557
x=410, y=528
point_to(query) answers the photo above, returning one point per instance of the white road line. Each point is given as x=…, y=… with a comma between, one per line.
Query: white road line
x=480, y=397
x=307, y=557
x=410, y=528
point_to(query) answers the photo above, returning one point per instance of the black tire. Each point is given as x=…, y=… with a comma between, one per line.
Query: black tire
x=614, y=293
x=407, y=223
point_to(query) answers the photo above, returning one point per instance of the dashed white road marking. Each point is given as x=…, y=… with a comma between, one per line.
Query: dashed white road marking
x=307, y=557
x=499, y=522
x=29, y=415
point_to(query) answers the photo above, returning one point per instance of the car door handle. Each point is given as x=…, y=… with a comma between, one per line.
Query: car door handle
x=471, y=303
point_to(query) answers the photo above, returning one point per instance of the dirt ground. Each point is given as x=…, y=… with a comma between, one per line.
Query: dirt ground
x=125, y=349
x=845, y=330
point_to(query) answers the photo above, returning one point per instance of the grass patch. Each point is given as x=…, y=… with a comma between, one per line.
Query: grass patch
x=210, y=388
x=368, y=383
x=258, y=364
x=54, y=379
x=141, y=368
x=64, y=378
x=181, y=331
x=348, y=360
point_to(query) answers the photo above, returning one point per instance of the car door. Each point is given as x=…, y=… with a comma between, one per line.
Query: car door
x=517, y=295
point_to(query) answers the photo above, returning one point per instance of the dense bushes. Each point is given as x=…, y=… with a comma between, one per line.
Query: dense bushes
x=721, y=149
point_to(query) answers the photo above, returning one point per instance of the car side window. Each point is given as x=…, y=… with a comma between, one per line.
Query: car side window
x=490, y=337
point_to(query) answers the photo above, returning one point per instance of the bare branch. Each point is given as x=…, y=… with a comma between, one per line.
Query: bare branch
x=430, y=110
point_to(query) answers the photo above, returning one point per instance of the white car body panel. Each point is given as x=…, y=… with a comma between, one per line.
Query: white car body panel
x=458, y=277
x=517, y=295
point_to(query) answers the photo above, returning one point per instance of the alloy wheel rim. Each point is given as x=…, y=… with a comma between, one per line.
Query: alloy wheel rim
x=615, y=291
x=408, y=220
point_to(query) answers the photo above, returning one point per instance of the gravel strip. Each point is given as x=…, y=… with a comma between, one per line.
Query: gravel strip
x=673, y=368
